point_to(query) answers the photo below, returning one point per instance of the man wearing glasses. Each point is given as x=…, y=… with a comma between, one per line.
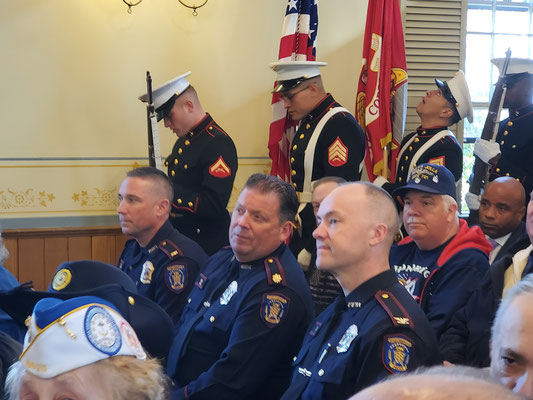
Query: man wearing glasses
x=328, y=141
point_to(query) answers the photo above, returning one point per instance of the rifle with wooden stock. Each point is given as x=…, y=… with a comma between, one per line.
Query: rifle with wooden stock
x=154, y=152
x=490, y=130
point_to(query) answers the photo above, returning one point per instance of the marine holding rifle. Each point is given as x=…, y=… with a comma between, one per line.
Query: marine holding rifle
x=202, y=165
x=510, y=154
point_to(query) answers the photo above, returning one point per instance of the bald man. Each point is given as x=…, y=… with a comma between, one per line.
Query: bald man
x=502, y=208
x=374, y=328
x=457, y=383
x=466, y=341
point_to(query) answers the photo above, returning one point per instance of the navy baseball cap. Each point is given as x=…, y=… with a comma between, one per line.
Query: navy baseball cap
x=151, y=323
x=430, y=178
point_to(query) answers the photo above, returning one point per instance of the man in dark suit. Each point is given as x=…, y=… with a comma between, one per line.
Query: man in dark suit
x=466, y=340
x=501, y=211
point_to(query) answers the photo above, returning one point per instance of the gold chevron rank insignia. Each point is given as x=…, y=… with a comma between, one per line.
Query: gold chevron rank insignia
x=337, y=153
x=220, y=169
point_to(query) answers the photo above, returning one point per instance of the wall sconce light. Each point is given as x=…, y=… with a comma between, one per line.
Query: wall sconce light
x=193, y=7
x=131, y=3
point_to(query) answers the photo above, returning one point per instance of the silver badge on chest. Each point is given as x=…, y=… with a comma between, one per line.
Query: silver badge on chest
x=228, y=293
x=146, y=274
x=347, y=339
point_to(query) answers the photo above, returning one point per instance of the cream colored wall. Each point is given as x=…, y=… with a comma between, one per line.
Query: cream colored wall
x=72, y=70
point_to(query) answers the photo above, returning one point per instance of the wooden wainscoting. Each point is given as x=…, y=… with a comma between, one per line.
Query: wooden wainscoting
x=35, y=254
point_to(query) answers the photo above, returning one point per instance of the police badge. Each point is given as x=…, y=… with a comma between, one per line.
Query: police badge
x=347, y=339
x=146, y=274
x=228, y=293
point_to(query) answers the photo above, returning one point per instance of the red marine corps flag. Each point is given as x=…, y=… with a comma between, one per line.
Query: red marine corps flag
x=298, y=43
x=382, y=88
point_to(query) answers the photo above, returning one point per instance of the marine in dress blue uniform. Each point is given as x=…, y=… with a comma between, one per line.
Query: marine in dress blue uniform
x=376, y=331
x=332, y=143
x=165, y=269
x=202, y=166
x=433, y=142
x=242, y=324
x=514, y=141
x=515, y=137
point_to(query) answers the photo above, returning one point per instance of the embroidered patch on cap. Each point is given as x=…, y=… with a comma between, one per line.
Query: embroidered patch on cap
x=396, y=353
x=176, y=277
x=61, y=279
x=220, y=169
x=146, y=274
x=102, y=331
x=274, y=309
x=228, y=293
x=337, y=153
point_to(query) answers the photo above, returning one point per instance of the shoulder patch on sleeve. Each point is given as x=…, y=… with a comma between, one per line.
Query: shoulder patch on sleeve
x=170, y=249
x=274, y=272
x=337, y=153
x=438, y=161
x=176, y=277
x=220, y=169
x=396, y=353
x=392, y=306
x=274, y=308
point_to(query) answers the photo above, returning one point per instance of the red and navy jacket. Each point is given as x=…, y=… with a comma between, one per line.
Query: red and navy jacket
x=442, y=279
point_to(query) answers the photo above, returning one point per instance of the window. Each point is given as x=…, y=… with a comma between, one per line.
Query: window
x=492, y=26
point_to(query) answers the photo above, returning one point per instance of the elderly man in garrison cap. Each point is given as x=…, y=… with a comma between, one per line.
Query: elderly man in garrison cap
x=82, y=348
x=510, y=154
x=433, y=142
x=328, y=142
x=442, y=261
x=202, y=165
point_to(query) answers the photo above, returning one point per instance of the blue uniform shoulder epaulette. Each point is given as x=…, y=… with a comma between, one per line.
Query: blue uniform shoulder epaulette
x=274, y=272
x=170, y=249
x=392, y=306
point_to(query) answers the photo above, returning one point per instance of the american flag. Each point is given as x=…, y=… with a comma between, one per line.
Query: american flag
x=298, y=43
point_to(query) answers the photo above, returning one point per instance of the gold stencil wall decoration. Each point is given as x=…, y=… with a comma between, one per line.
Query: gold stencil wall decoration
x=97, y=198
x=29, y=198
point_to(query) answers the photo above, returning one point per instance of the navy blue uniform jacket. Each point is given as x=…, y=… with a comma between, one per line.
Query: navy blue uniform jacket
x=164, y=270
x=243, y=324
x=515, y=136
x=376, y=331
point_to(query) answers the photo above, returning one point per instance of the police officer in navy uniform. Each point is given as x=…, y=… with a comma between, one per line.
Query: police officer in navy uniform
x=328, y=142
x=510, y=154
x=251, y=305
x=374, y=329
x=433, y=142
x=160, y=260
x=202, y=165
